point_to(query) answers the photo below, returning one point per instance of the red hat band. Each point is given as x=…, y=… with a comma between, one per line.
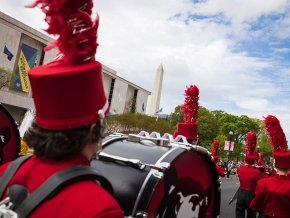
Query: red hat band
x=67, y=96
x=282, y=160
x=188, y=130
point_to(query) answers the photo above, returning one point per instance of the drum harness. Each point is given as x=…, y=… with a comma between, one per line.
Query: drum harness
x=19, y=204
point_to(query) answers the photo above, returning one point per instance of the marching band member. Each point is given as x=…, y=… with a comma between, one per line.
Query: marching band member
x=262, y=167
x=188, y=128
x=70, y=105
x=272, y=195
x=221, y=170
x=248, y=177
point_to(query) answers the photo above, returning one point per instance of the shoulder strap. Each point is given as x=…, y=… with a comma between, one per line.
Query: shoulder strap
x=56, y=183
x=10, y=171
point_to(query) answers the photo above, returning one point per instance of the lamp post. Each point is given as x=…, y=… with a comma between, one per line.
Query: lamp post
x=229, y=154
x=230, y=142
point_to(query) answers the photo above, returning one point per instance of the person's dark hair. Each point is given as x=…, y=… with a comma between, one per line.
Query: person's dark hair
x=59, y=144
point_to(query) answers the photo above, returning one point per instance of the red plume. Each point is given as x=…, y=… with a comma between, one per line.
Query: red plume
x=250, y=150
x=275, y=131
x=71, y=21
x=251, y=140
x=215, y=148
x=190, y=107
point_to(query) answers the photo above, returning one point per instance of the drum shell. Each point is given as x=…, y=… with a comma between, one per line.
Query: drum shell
x=140, y=190
x=126, y=180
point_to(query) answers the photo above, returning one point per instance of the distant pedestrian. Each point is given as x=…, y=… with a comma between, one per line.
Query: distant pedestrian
x=229, y=169
x=272, y=195
x=248, y=177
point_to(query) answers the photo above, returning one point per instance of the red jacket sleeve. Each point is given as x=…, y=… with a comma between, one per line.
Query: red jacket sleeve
x=257, y=202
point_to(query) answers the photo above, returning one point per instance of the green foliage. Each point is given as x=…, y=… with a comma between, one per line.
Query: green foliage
x=207, y=127
x=135, y=123
x=211, y=125
x=5, y=76
x=239, y=125
x=217, y=124
x=177, y=116
x=264, y=146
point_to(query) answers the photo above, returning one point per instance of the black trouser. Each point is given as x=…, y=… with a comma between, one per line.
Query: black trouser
x=228, y=173
x=243, y=204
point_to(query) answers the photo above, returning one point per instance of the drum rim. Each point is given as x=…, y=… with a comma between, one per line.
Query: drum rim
x=15, y=126
x=113, y=139
x=151, y=175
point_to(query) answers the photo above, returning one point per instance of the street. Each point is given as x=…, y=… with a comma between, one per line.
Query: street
x=228, y=189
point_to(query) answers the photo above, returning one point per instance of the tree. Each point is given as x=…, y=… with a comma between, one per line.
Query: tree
x=5, y=76
x=177, y=116
x=239, y=125
x=207, y=127
x=218, y=113
x=264, y=146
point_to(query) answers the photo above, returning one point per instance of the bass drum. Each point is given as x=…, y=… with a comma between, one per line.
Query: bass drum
x=9, y=137
x=157, y=181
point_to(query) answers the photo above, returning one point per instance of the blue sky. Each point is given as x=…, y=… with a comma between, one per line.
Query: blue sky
x=236, y=51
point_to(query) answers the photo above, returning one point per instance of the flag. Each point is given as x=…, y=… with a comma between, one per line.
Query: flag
x=159, y=111
x=8, y=53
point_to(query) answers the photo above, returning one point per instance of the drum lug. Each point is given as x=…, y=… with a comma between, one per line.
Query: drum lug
x=141, y=214
x=159, y=169
x=157, y=174
x=163, y=166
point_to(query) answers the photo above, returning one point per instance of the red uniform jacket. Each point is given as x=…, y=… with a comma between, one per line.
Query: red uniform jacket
x=248, y=177
x=221, y=170
x=272, y=197
x=81, y=199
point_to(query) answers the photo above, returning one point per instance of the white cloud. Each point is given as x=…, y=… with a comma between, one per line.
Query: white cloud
x=136, y=36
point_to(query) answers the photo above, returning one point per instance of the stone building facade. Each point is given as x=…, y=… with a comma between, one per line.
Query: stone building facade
x=22, y=48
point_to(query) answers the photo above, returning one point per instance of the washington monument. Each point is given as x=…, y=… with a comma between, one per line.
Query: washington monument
x=156, y=93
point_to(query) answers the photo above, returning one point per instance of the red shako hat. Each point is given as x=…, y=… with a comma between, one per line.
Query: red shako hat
x=278, y=142
x=215, y=150
x=250, y=150
x=68, y=92
x=188, y=127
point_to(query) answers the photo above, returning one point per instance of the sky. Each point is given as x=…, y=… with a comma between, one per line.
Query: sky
x=235, y=51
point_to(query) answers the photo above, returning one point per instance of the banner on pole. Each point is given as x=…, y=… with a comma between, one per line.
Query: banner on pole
x=227, y=144
x=26, y=60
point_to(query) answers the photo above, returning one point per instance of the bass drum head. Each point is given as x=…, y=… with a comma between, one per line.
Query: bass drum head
x=9, y=137
x=190, y=188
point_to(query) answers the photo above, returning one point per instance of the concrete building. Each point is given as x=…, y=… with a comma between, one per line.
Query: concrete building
x=22, y=49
